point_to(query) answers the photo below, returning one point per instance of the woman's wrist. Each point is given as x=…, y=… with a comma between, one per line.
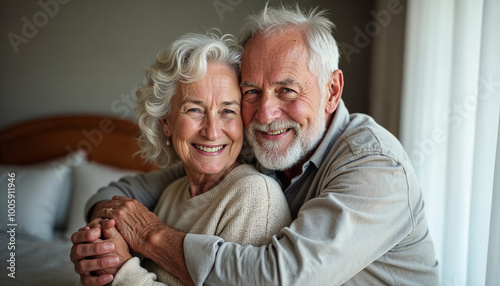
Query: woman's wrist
x=165, y=247
x=155, y=239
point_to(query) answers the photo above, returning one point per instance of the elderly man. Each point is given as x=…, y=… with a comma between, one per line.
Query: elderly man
x=353, y=194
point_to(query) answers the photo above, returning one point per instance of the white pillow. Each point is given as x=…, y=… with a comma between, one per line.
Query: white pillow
x=41, y=196
x=72, y=160
x=87, y=179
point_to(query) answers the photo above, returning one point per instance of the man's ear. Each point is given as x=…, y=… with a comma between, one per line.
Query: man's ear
x=164, y=125
x=334, y=91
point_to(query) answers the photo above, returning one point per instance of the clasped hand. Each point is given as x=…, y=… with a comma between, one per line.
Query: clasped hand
x=102, y=247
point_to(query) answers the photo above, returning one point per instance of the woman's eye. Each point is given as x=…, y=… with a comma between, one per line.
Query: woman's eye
x=196, y=110
x=228, y=111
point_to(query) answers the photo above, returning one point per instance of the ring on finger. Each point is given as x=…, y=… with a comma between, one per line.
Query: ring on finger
x=107, y=212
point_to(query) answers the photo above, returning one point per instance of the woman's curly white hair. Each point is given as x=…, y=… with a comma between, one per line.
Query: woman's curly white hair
x=184, y=61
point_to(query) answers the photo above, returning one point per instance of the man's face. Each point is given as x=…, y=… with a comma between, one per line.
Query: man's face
x=283, y=110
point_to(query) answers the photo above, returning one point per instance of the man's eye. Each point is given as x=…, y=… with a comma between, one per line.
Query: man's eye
x=251, y=95
x=250, y=91
x=286, y=93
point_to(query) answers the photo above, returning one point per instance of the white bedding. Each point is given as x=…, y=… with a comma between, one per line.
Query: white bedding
x=46, y=198
x=37, y=262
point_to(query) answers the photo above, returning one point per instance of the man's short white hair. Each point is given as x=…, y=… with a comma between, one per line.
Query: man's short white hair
x=318, y=29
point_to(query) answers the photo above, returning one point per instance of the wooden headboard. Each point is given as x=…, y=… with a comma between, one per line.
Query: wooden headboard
x=106, y=140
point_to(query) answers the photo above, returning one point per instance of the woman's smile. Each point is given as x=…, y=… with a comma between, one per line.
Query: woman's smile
x=205, y=125
x=209, y=150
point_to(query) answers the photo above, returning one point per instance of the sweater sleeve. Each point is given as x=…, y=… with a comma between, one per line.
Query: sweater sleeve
x=132, y=274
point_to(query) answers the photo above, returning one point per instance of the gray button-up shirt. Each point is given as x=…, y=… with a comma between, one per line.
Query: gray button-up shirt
x=358, y=219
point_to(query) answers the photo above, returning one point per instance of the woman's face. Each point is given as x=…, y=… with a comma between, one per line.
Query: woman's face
x=205, y=123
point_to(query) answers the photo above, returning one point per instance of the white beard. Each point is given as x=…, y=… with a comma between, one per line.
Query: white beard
x=271, y=154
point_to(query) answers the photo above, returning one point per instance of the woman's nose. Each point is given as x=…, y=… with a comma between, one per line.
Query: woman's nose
x=211, y=129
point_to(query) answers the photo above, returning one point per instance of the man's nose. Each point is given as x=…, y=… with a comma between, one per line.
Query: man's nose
x=269, y=109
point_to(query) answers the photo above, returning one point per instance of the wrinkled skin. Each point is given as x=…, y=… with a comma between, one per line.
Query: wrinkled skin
x=101, y=241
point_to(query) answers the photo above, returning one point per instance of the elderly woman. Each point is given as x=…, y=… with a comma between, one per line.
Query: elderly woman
x=190, y=111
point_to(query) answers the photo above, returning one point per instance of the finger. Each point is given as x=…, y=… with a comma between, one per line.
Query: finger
x=108, y=223
x=95, y=223
x=110, y=232
x=89, y=265
x=104, y=279
x=85, y=236
x=82, y=251
x=96, y=210
x=89, y=280
x=84, y=228
x=107, y=213
x=114, y=208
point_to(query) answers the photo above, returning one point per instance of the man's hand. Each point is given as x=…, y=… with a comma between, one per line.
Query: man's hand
x=121, y=250
x=87, y=245
x=146, y=234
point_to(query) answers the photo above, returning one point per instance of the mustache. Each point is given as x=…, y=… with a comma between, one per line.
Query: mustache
x=274, y=126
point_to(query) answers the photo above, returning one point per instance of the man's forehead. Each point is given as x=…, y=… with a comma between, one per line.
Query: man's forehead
x=279, y=50
x=276, y=44
x=284, y=70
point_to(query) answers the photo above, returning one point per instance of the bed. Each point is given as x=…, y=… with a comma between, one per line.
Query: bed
x=49, y=167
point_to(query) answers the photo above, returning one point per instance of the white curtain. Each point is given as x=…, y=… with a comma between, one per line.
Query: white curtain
x=450, y=127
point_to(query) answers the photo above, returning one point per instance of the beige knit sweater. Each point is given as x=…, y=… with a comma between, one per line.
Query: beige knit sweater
x=246, y=207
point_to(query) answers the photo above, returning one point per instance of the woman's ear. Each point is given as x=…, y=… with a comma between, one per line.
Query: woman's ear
x=334, y=89
x=164, y=125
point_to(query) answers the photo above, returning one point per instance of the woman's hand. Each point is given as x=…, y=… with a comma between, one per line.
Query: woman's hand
x=134, y=221
x=146, y=234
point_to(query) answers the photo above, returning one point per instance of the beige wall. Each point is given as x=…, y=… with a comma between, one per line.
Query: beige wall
x=61, y=56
